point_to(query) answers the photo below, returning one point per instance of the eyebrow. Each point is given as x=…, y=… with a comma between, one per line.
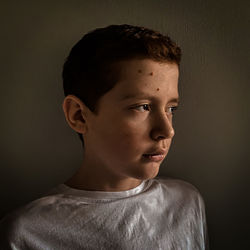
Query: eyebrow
x=141, y=96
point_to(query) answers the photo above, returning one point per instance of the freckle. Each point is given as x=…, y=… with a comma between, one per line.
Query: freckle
x=158, y=89
x=151, y=73
x=139, y=71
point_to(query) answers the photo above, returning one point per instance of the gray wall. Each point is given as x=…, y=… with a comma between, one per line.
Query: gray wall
x=210, y=149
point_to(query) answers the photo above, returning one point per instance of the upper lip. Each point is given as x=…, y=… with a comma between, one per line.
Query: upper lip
x=156, y=152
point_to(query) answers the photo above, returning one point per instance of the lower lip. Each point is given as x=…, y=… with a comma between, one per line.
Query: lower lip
x=155, y=158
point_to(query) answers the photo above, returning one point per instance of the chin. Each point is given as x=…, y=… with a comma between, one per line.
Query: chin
x=147, y=174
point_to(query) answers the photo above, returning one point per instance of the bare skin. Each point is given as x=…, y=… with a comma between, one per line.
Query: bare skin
x=134, y=119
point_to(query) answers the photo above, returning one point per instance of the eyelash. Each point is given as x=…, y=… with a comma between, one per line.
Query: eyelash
x=173, y=109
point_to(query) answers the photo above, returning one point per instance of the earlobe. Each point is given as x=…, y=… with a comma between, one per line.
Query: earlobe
x=75, y=116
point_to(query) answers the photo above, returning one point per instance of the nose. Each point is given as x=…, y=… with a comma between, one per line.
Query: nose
x=162, y=127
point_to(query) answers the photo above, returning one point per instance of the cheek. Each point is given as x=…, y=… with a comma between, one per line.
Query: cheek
x=121, y=135
x=130, y=136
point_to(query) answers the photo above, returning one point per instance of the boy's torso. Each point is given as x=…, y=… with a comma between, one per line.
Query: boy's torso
x=160, y=214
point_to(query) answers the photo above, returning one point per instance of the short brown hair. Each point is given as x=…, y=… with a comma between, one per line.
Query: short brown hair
x=87, y=71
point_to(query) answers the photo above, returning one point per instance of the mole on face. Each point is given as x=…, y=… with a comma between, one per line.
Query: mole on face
x=151, y=73
x=139, y=70
x=157, y=89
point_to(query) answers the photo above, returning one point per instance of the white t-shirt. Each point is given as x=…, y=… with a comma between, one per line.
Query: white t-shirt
x=157, y=214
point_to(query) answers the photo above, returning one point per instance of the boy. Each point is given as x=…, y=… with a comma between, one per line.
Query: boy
x=121, y=91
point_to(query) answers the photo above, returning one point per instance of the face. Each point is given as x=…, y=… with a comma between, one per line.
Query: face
x=132, y=133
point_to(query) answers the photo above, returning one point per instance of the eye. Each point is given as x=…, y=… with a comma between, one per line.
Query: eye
x=144, y=107
x=171, y=110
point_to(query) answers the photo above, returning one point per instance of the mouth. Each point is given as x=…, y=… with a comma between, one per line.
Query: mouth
x=154, y=157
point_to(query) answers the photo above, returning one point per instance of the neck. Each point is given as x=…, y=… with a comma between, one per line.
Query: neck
x=94, y=177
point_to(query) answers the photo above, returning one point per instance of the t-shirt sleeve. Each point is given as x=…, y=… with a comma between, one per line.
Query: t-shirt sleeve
x=202, y=217
x=204, y=222
x=7, y=233
x=190, y=207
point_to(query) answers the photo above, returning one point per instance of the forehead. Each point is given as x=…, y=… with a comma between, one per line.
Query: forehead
x=145, y=75
x=137, y=68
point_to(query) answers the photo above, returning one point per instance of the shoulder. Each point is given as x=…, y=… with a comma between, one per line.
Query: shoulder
x=180, y=190
x=177, y=185
x=38, y=214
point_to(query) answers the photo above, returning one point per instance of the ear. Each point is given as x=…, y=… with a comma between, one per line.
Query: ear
x=75, y=112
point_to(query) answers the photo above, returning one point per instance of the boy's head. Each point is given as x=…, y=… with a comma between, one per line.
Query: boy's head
x=121, y=87
x=91, y=69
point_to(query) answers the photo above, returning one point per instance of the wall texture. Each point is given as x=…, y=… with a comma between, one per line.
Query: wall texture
x=211, y=146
